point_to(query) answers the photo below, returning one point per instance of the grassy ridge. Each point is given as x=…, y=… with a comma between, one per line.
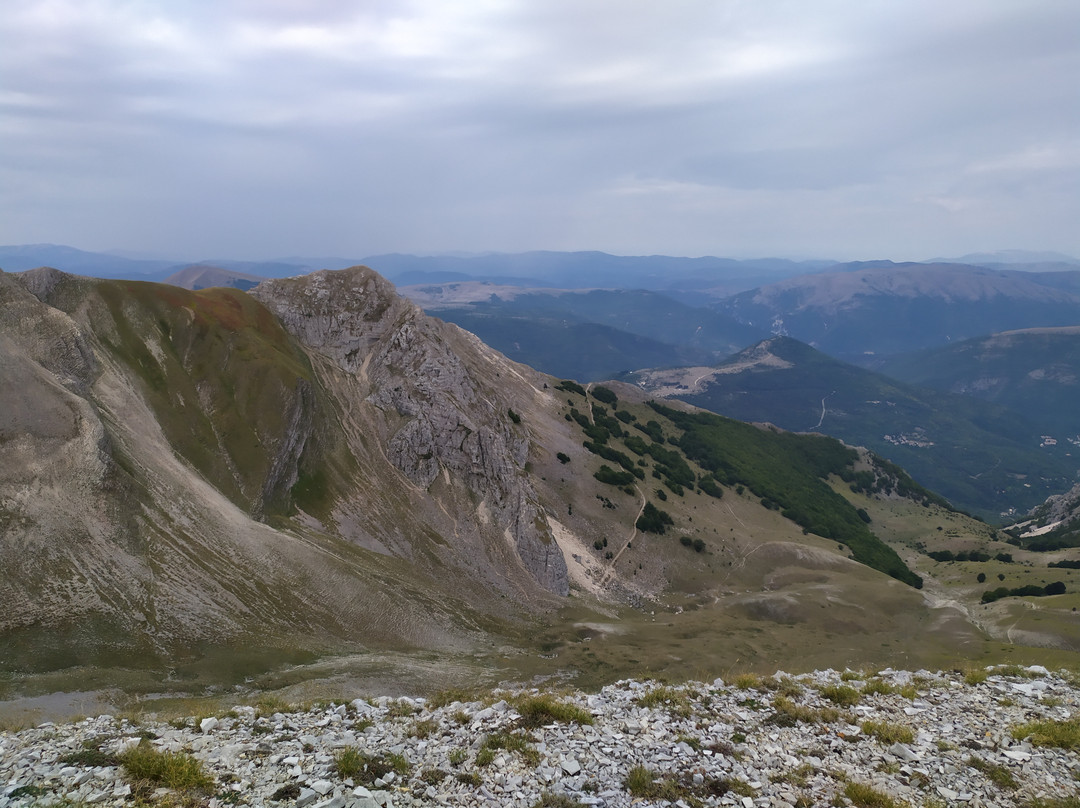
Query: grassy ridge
x=788, y=472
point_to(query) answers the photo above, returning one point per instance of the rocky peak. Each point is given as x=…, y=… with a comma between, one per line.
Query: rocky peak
x=442, y=413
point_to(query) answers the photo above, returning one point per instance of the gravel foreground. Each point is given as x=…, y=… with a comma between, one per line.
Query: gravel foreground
x=996, y=737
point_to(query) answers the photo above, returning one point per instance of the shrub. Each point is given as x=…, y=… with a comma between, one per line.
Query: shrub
x=606, y=474
x=563, y=457
x=654, y=520
x=605, y=394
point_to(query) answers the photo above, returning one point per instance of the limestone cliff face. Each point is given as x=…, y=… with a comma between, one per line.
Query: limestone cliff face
x=443, y=411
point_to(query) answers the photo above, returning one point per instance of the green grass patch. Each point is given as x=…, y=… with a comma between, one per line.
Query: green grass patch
x=176, y=770
x=544, y=708
x=996, y=773
x=877, y=687
x=350, y=762
x=1057, y=734
x=842, y=695
x=667, y=697
x=510, y=742
x=549, y=800
x=864, y=796
x=888, y=732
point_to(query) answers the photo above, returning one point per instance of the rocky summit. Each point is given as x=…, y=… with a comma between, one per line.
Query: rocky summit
x=987, y=737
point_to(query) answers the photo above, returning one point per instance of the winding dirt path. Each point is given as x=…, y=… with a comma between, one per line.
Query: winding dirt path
x=610, y=571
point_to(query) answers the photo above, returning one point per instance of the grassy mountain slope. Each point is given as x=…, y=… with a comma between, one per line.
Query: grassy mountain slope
x=983, y=458
x=215, y=482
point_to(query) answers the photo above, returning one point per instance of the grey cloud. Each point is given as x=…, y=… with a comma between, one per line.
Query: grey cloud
x=253, y=128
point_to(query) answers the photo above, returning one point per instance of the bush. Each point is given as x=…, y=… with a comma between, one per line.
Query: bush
x=605, y=394
x=654, y=520
x=607, y=474
x=563, y=458
x=570, y=387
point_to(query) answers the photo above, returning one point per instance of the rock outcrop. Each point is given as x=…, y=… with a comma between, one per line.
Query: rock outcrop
x=440, y=415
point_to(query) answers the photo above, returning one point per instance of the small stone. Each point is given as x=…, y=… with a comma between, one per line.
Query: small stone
x=208, y=724
x=307, y=796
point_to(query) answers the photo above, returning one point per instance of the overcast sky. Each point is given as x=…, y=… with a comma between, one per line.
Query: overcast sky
x=897, y=129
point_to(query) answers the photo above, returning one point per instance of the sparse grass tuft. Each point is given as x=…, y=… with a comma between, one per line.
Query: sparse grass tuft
x=546, y=709
x=268, y=705
x=909, y=692
x=689, y=740
x=668, y=697
x=549, y=800
x=485, y=756
x=864, y=796
x=401, y=709
x=788, y=714
x=348, y=762
x=423, y=729
x=363, y=768
x=447, y=697
x=976, y=676
x=457, y=756
x=511, y=742
x=647, y=784
x=432, y=777
x=749, y=681
x=842, y=695
x=1060, y=734
x=175, y=770
x=888, y=732
x=89, y=756
x=469, y=779
x=877, y=687
x=997, y=774
x=798, y=777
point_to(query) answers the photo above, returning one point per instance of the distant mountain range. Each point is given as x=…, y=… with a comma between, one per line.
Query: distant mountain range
x=881, y=308
x=589, y=334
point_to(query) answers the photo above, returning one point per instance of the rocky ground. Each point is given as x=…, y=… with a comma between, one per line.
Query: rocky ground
x=1000, y=737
